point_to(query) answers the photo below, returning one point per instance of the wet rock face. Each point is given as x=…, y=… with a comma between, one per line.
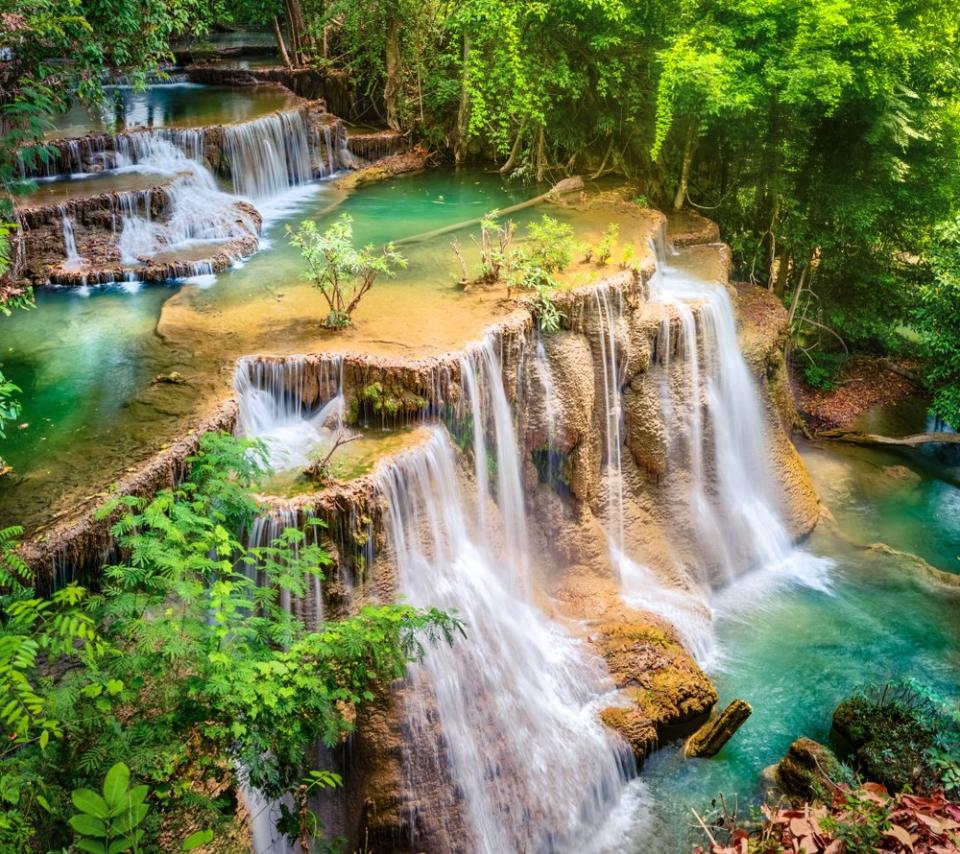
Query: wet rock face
x=662, y=685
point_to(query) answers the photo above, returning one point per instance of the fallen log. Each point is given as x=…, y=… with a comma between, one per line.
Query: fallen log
x=857, y=438
x=715, y=733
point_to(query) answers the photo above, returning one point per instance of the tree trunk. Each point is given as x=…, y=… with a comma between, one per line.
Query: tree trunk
x=856, y=438
x=688, y=149
x=715, y=733
x=780, y=286
x=392, y=61
x=515, y=151
x=541, y=162
x=463, y=112
x=298, y=31
x=280, y=43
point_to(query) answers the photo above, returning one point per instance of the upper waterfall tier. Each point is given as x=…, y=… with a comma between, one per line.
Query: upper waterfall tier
x=75, y=231
x=172, y=105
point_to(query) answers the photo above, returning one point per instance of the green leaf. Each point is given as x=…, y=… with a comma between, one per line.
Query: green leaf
x=115, y=785
x=131, y=818
x=89, y=802
x=91, y=845
x=195, y=840
x=124, y=844
x=88, y=825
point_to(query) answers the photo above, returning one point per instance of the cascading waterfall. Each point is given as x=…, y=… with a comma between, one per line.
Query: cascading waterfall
x=199, y=211
x=268, y=156
x=270, y=397
x=607, y=323
x=723, y=444
x=74, y=261
x=517, y=700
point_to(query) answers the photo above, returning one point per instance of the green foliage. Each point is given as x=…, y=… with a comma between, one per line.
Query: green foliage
x=182, y=665
x=937, y=319
x=860, y=823
x=900, y=732
x=607, y=243
x=550, y=244
x=549, y=317
x=820, y=377
x=342, y=273
x=110, y=823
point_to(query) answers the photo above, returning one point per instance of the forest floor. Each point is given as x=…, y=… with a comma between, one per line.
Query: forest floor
x=861, y=384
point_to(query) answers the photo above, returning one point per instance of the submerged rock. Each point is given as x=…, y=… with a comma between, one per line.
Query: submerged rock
x=661, y=684
x=808, y=772
x=715, y=733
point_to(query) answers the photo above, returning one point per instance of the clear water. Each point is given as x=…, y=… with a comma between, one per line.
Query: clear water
x=86, y=358
x=793, y=653
x=172, y=105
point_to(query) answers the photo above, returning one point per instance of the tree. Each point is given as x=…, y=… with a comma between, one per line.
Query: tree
x=937, y=318
x=342, y=273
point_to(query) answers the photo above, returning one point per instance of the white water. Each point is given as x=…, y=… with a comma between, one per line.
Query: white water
x=718, y=434
x=200, y=213
x=267, y=156
x=271, y=409
x=74, y=261
x=608, y=320
x=517, y=700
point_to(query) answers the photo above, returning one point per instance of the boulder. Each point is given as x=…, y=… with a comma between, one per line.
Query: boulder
x=808, y=772
x=661, y=685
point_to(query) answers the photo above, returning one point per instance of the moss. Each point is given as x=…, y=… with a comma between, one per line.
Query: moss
x=890, y=731
x=809, y=771
x=664, y=686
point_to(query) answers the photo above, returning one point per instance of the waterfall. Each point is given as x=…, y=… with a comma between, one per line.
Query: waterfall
x=270, y=397
x=268, y=156
x=722, y=443
x=199, y=212
x=74, y=261
x=531, y=766
x=607, y=322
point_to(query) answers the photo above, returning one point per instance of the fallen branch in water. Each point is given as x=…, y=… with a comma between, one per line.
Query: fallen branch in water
x=857, y=438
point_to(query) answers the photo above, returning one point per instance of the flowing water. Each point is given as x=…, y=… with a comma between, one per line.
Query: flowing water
x=517, y=700
x=86, y=358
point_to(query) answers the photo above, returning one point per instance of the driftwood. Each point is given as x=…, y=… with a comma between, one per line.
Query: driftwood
x=856, y=438
x=715, y=733
x=567, y=185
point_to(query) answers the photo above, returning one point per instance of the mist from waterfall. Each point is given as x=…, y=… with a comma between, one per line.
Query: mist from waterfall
x=517, y=700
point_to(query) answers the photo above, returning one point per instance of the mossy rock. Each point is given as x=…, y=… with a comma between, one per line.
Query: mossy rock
x=889, y=740
x=809, y=771
x=662, y=686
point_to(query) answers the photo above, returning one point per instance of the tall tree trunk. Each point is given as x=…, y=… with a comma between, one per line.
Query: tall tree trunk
x=688, y=149
x=783, y=273
x=392, y=61
x=298, y=31
x=280, y=43
x=463, y=112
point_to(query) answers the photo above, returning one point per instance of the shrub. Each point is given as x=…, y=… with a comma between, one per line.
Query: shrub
x=342, y=273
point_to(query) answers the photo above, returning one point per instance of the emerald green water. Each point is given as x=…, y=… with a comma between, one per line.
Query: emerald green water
x=86, y=358
x=794, y=652
x=172, y=105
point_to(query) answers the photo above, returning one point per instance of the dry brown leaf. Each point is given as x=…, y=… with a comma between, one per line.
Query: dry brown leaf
x=901, y=835
x=931, y=822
